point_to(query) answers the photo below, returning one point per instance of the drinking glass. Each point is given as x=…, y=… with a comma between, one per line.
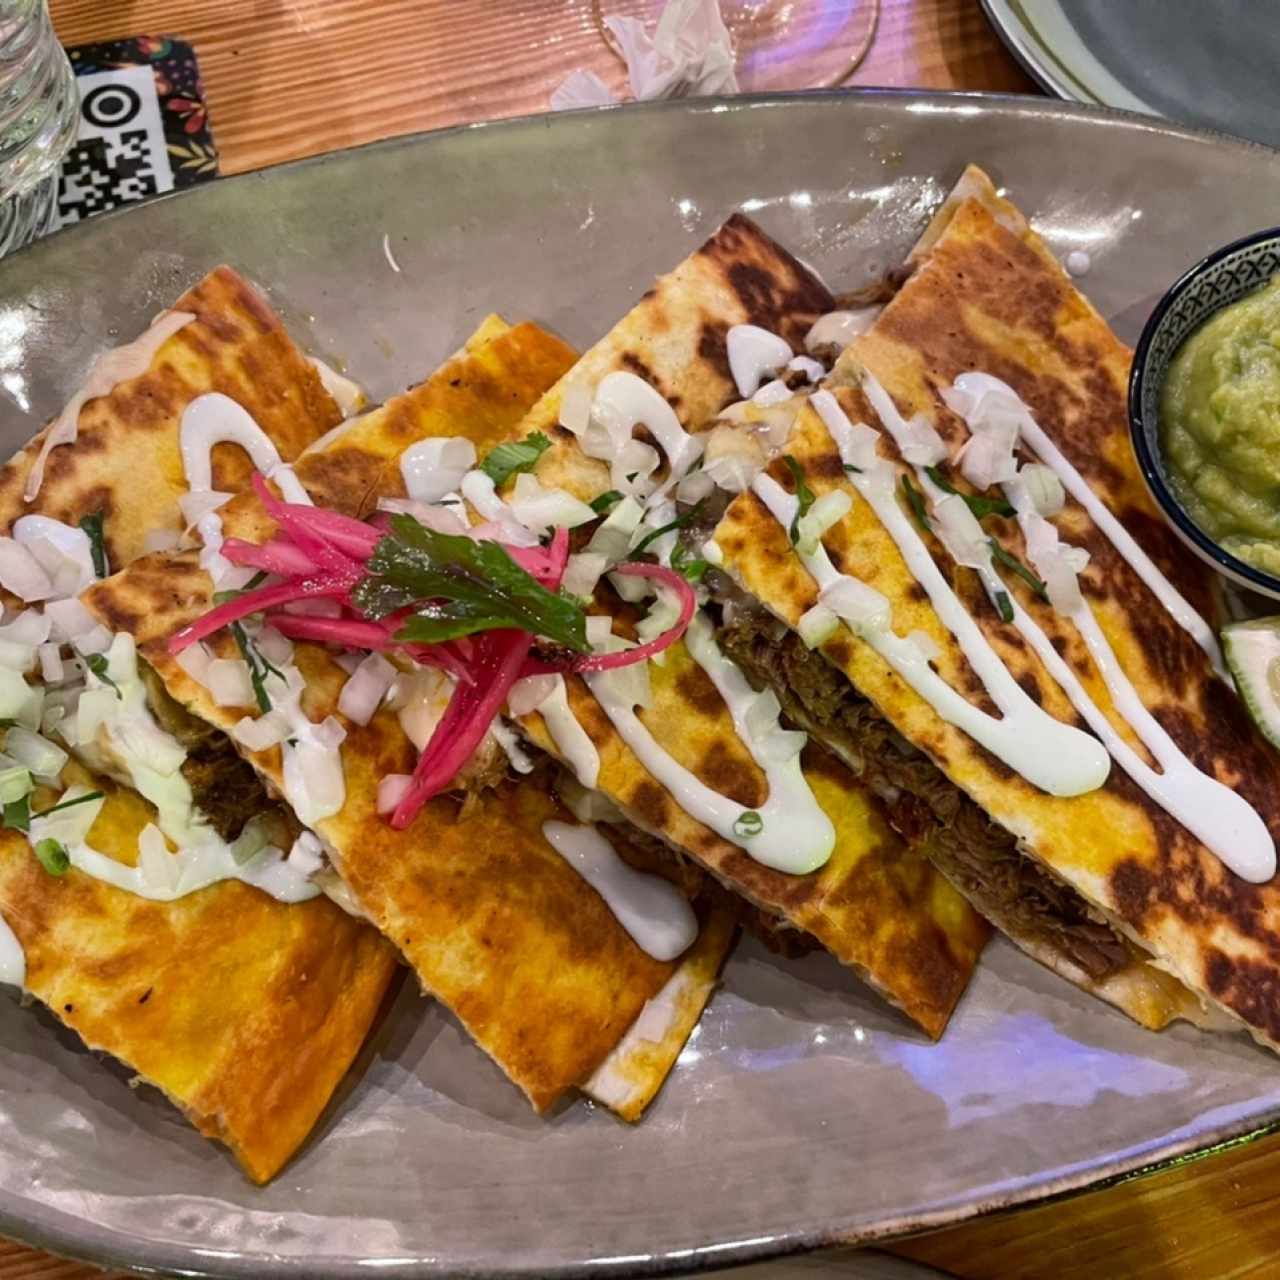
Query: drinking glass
x=39, y=109
x=779, y=44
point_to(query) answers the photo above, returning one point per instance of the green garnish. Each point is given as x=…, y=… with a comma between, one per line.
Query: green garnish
x=606, y=502
x=221, y=597
x=980, y=506
x=684, y=562
x=69, y=804
x=510, y=459
x=53, y=857
x=7, y=722
x=749, y=824
x=1011, y=562
x=92, y=525
x=98, y=665
x=851, y=469
x=17, y=815
x=915, y=500
x=259, y=667
x=804, y=495
x=1004, y=606
x=678, y=523
x=459, y=586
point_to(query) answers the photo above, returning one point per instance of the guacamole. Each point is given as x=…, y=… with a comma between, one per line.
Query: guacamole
x=1220, y=427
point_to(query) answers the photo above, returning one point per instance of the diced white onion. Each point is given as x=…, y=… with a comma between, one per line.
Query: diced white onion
x=392, y=789
x=600, y=631
x=21, y=574
x=96, y=640
x=15, y=782
x=712, y=552
x=276, y=648
x=69, y=618
x=582, y=573
x=694, y=487
x=69, y=572
x=160, y=540
x=348, y=661
x=198, y=503
x=144, y=740
x=540, y=508
x=1055, y=562
x=826, y=511
x=29, y=627
x=631, y=471
x=585, y=803
x=530, y=693
x=313, y=780
x=433, y=468
x=18, y=657
x=195, y=660
x=19, y=700
x=1043, y=488
x=630, y=589
x=251, y=841
x=440, y=519
x=51, y=669
x=817, y=625
x=575, y=408
x=229, y=682
x=261, y=733
x=363, y=693
x=71, y=825
x=34, y=752
x=613, y=537
x=861, y=606
x=629, y=684
x=662, y=616
x=733, y=458
x=772, y=393
x=920, y=444
x=959, y=531
x=306, y=856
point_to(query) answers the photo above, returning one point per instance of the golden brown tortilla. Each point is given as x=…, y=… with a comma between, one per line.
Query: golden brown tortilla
x=126, y=463
x=989, y=298
x=246, y=1012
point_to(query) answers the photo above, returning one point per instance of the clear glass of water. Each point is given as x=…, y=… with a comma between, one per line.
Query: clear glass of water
x=38, y=113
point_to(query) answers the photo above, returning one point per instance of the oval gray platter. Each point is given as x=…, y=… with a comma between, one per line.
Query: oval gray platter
x=803, y=1112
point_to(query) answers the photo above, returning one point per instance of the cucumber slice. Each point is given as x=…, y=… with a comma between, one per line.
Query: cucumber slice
x=1252, y=651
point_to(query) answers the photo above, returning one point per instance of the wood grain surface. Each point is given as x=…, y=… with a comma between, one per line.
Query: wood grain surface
x=292, y=78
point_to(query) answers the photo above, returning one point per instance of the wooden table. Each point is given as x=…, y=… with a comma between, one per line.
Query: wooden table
x=294, y=77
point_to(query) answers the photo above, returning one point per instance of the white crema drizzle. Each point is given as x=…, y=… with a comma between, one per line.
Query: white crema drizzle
x=1218, y=817
x=653, y=911
x=1057, y=758
x=974, y=386
x=108, y=371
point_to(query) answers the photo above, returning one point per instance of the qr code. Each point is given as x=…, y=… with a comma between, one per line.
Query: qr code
x=120, y=154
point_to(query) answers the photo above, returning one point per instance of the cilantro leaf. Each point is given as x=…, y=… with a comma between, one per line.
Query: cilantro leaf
x=459, y=586
x=53, y=856
x=92, y=525
x=1011, y=562
x=1004, y=606
x=97, y=663
x=17, y=815
x=980, y=506
x=804, y=495
x=606, y=502
x=258, y=666
x=678, y=523
x=69, y=804
x=515, y=456
x=915, y=500
x=684, y=562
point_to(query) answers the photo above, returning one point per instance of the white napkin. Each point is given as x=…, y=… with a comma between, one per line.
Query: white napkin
x=689, y=54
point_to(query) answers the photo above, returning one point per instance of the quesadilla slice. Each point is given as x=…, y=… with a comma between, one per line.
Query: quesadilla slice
x=1005, y=639
x=536, y=958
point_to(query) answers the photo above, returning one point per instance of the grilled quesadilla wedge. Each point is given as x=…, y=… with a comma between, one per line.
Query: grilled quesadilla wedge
x=115, y=451
x=1157, y=859
x=244, y=1011
x=494, y=920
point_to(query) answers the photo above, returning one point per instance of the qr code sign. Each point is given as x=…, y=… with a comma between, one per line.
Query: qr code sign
x=119, y=155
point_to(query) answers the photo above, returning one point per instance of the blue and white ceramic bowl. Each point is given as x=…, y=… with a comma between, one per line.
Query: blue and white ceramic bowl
x=1215, y=282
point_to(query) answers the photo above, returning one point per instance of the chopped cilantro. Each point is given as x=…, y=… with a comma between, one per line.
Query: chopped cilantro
x=980, y=506
x=53, y=857
x=97, y=663
x=1011, y=562
x=92, y=525
x=606, y=502
x=915, y=500
x=259, y=667
x=749, y=824
x=678, y=523
x=515, y=456
x=804, y=495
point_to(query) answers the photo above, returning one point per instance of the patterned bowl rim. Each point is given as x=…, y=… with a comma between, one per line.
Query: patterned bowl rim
x=1143, y=447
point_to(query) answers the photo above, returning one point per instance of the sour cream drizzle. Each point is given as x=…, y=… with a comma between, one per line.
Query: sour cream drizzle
x=755, y=354
x=210, y=420
x=839, y=328
x=109, y=369
x=654, y=912
x=1053, y=756
x=571, y=739
x=789, y=832
x=1221, y=820
x=13, y=960
x=624, y=401
x=975, y=385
